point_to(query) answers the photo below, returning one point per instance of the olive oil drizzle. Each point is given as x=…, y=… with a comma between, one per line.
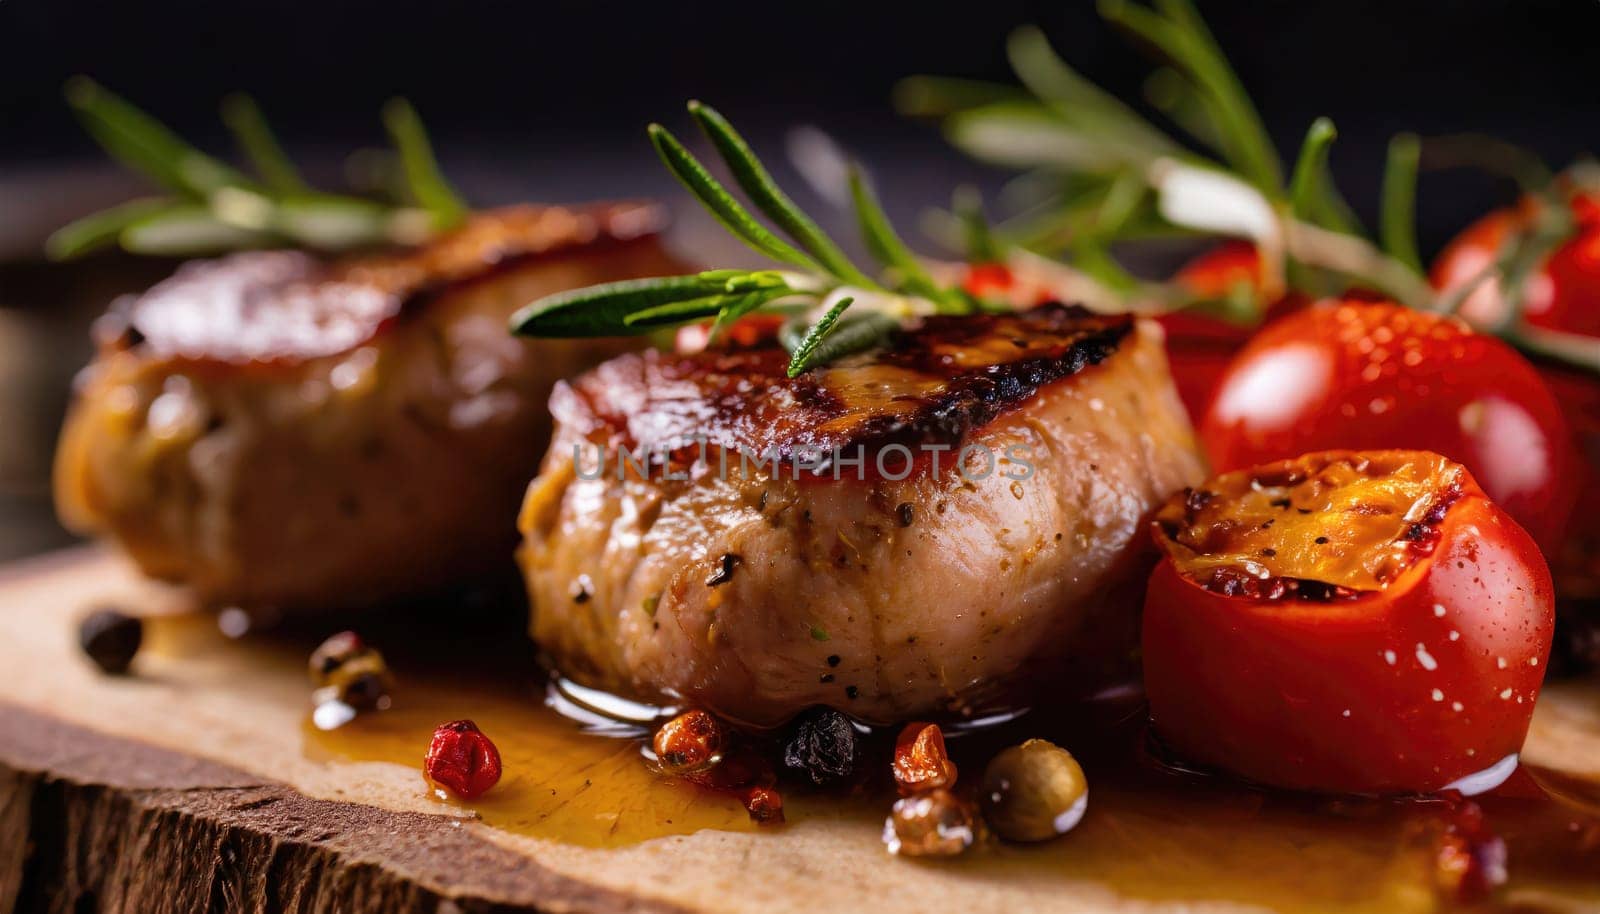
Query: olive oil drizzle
x=1153, y=830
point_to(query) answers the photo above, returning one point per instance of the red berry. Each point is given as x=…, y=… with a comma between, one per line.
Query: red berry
x=462, y=759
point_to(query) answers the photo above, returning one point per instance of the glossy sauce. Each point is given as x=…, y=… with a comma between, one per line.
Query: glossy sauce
x=1152, y=831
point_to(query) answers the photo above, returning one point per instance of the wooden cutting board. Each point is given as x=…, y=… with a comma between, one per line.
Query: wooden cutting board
x=193, y=786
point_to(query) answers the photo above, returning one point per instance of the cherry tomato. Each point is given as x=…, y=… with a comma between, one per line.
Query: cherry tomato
x=1222, y=272
x=999, y=282
x=1350, y=622
x=750, y=330
x=1372, y=375
x=1562, y=294
x=1199, y=345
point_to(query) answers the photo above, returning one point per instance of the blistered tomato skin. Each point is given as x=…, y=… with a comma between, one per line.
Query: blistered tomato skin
x=1405, y=689
x=1370, y=375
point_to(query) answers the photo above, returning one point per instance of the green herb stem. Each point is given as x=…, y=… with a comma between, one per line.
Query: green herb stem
x=103, y=229
x=427, y=184
x=801, y=359
x=753, y=179
x=721, y=204
x=603, y=310
x=1078, y=100
x=886, y=245
x=1397, y=219
x=144, y=144
x=1309, y=170
x=244, y=119
x=1182, y=39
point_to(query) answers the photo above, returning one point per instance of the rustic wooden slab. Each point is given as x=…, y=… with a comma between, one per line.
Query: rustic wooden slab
x=187, y=788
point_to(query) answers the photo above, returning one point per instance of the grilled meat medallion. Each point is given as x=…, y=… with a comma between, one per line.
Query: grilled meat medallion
x=686, y=543
x=274, y=430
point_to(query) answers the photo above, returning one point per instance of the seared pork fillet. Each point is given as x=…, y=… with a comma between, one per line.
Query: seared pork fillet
x=277, y=431
x=671, y=560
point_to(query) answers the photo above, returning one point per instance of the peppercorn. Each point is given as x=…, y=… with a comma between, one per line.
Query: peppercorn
x=823, y=746
x=333, y=653
x=920, y=760
x=462, y=759
x=346, y=669
x=1034, y=792
x=111, y=639
x=689, y=744
x=932, y=824
x=764, y=804
x=742, y=772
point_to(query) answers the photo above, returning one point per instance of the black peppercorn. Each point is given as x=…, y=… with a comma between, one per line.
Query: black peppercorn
x=111, y=639
x=907, y=512
x=822, y=746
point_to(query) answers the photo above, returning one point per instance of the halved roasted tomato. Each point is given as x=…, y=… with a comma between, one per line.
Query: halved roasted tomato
x=1352, y=622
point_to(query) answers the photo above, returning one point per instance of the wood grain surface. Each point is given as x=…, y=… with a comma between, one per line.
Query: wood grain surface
x=188, y=788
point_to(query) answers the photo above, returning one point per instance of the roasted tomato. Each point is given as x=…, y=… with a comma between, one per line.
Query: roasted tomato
x=1562, y=294
x=1352, y=622
x=1371, y=375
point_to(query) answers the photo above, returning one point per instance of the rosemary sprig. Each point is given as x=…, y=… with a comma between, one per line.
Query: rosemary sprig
x=806, y=348
x=1080, y=150
x=102, y=229
x=1312, y=197
x=825, y=278
x=1178, y=34
x=851, y=334
x=248, y=124
x=753, y=179
x=723, y=205
x=1397, y=216
x=145, y=145
x=428, y=186
x=212, y=206
x=1096, y=150
x=886, y=246
x=604, y=309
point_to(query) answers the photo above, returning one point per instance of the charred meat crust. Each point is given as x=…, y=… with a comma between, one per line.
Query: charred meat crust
x=286, y=307
x=937, y=382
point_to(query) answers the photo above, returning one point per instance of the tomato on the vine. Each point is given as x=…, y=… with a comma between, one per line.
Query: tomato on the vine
x=1375, y=375
x=1358, y=622
x=1563, y=293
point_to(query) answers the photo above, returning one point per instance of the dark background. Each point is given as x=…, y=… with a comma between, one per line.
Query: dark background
x=548, y=101
x=536, y=93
